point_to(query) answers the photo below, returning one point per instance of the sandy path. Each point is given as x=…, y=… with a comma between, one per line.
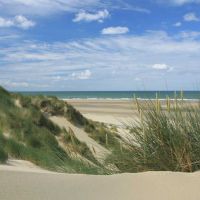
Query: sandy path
x=98, y=151
x=142, y=186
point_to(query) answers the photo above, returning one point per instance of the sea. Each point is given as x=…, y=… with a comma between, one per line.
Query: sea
x=115, y=95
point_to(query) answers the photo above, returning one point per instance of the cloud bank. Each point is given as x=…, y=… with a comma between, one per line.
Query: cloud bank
x=120, y=60
x=44, y=7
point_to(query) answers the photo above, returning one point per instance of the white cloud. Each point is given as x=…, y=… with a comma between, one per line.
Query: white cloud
x=44, y=7
x=160, y=66
x=182, y=2
x=191, y=17
x=12, y=84
x=137, y=79
x=129, y=56
x=47, y=7
x=115, y=30
x=178, y=24
x=5, y=22
x=88, y=17
x=18, y=21
x=84, y=75
x=189, y=34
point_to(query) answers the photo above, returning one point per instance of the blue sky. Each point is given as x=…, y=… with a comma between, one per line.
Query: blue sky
x=82, y=45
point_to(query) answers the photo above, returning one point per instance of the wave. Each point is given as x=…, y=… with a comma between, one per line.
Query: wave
x=128, y=99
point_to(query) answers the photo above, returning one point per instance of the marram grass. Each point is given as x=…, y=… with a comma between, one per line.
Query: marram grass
x=27, y=133
x=164, y=138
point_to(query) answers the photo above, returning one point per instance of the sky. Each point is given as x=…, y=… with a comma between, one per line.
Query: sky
x=99, y=45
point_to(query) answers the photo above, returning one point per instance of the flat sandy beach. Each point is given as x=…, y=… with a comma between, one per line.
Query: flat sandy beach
x=112, y=111
x=107, y=111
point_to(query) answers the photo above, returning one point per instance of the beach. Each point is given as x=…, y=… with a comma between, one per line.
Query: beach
x=113, y=111
x=22, y=180
x=117, y=111
x=99, y=100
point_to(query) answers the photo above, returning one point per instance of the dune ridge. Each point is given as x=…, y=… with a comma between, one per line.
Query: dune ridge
x=42, y=185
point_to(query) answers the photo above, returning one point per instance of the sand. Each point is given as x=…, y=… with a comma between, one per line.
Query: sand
x=21, y=180
x=99, y=152
x=37, y=185
x=116, y=112
x=21, y=166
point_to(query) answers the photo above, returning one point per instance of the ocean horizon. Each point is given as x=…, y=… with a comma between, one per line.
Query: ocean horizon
x=190, y=95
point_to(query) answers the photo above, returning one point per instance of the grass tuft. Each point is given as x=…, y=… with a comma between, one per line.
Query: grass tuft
x=164, y=139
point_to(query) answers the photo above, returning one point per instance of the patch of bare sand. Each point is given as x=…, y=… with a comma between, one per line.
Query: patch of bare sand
x=21, y=166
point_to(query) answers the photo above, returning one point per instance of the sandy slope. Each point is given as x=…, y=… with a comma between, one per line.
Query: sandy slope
x=98, y=151
x=21, y=166
x=35, y=185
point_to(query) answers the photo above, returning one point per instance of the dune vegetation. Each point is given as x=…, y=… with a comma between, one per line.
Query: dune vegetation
x=165, y=137
x=27, y=133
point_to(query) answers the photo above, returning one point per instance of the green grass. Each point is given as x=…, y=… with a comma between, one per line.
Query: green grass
x=98, y=131
x=103, y=135
x=163, y=140
x=76, y=146
x=166, y=137
x=32, y=136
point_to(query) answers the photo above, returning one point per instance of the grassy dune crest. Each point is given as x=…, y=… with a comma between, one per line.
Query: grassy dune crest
x=27, y=133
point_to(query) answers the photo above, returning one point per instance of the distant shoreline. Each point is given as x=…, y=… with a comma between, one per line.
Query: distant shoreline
x=125, y=99
x=120, y=95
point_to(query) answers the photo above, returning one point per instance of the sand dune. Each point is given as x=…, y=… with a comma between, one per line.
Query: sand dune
x=114, y=112
x=35, y=185
x=21, y=180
